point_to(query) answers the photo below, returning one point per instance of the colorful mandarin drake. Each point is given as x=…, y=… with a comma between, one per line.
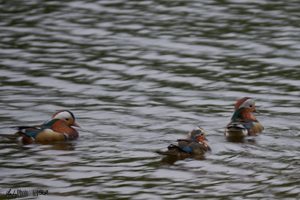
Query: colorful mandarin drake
x=243, y=122
x=59, y=128
x=194, y=144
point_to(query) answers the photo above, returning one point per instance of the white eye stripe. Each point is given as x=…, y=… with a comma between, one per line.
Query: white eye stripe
x=248, y=103
x=63, y=115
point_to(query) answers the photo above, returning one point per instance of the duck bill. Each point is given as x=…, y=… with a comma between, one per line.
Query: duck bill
x=201, y=139
x=76, y=125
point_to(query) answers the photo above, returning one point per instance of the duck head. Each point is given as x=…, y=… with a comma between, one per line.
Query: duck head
x=199, y=135
x=201, y=139
x=196, y=132
x=244, y=109
x=66, y=116
x=246, y=103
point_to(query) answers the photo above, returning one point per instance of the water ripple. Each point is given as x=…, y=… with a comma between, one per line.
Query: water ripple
x=140, y=74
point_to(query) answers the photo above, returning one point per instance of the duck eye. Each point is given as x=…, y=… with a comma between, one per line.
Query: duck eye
x=67, y=119
x=250, y=106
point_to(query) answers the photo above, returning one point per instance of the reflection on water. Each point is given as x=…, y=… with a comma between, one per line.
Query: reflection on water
x=172, y=159
x=139, y=75
x=250, y=140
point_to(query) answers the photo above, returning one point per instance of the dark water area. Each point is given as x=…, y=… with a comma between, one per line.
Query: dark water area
x=140, y=74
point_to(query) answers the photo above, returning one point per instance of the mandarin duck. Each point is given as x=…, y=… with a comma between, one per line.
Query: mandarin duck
x=58, y=128
x=243, y=122
x=195, y=144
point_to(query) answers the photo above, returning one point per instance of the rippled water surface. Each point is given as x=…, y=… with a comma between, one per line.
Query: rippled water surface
x=140, y=74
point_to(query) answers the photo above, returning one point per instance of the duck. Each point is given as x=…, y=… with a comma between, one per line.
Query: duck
x=243, y=122
x=194, y=145
x=59, y=128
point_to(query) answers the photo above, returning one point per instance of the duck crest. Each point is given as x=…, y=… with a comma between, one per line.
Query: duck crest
x=239, y=102
x=62, y=112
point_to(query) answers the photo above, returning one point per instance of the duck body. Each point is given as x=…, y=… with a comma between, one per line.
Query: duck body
x=195, y=144
x=59, y=128
x=186, y=148
x=243, y=122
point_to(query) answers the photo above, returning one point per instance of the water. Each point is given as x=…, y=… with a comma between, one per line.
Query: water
x=140, y=74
